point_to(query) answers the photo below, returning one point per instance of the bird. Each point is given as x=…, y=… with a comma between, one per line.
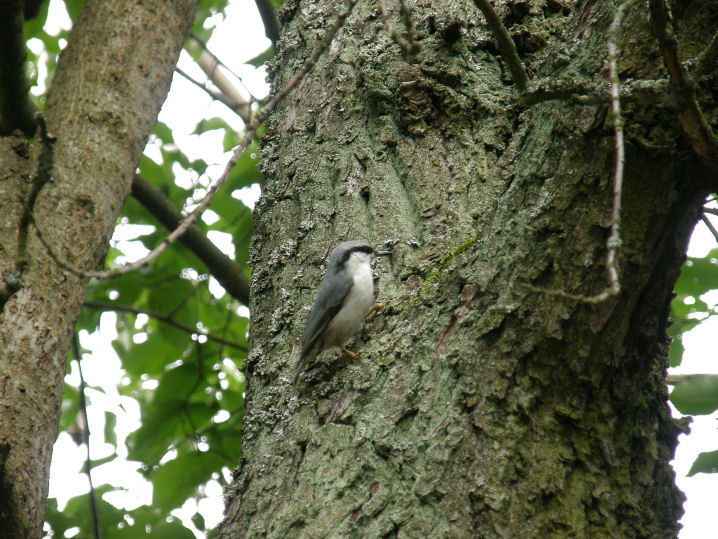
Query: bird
x=344, y=298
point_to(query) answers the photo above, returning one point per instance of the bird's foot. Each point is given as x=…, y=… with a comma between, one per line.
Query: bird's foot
x=353, y=355
x=371, y=315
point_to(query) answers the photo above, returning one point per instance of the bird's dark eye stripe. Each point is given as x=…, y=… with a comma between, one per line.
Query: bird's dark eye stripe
x=358, y=249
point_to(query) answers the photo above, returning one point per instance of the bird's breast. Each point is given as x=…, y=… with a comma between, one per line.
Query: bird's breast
x=355, y=307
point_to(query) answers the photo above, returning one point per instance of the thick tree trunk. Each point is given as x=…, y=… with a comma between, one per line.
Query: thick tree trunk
x=479, y=407
x=108, y=88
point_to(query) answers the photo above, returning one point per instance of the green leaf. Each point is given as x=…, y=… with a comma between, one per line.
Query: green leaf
x=706, y=462
x=210, y=124
x=261, y=58
x=110, y=425
x=697, y=395
x=74, y=8
x=171, y=530
x=149, y=357
x=160, y=428
x=70, y=406
x=698, y=275
x=675, y=356
x=152, y=172
x=198, y=521
x=163, y=132
x=34, y=26
x=245, y=172
x=178, y=479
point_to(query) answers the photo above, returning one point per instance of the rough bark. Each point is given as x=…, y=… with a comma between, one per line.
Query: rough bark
x=108, y=88
x=478, y=408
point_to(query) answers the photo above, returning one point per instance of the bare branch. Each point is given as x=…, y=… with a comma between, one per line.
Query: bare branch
x=706, y=60
x=111, y=306
x=710, y=226
x=209, y=64
x=241, y=109
x=506, y=44
x=229, y=274
x=408, y=44
x=614, y=238
x=694, y=125
x=86, y=440
x=676, y=379
x=613, y=242
x=212, y=191
x=653, y=92
x=269, y=19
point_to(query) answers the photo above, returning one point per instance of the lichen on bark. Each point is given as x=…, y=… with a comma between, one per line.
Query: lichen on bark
x=478, y=407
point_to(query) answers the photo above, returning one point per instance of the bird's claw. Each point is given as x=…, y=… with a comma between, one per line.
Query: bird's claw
x=371, y=315
x=353, y=355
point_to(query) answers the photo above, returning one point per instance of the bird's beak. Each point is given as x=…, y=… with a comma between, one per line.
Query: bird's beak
x=383, y=253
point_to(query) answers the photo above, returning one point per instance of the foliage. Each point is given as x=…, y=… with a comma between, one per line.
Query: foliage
x=697, y=394
x=189, y=388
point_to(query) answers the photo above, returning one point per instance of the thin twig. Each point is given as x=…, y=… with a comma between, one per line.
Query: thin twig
x=110, y=306
x=614, y=239
x=209, y=62
x=203, y=45
x=613, y=243
x=676, y=379
x=652, y=92
x=229, y=274
x=86, y=440
x=694, y=125
x=409, y=23
x=706, y=59
x=240, y=108
x=710, y=226
x=506, y=44
x=249, y=134
x=408, y=44
x=712, y=211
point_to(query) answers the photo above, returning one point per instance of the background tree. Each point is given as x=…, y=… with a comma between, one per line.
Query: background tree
x=181, y=336
x=71, y=183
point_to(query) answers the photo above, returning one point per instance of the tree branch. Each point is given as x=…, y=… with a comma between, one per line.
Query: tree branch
x=241, y=109
x=409, y=46
x=209, y=64
x=710, y=226
x=16, y=108
x=269, y=19
x=111, y=306
x=706, y=60
x=86, y=440
x=613, y=242
x=250, y=131
x=653, y=92
x=690, y=117
x=676, y=379
x=227, y=272
x=506, y=44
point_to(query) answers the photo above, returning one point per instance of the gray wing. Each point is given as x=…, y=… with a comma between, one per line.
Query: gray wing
x=326, y=306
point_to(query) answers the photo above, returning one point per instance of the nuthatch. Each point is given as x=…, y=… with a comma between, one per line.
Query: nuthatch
x=345, y=297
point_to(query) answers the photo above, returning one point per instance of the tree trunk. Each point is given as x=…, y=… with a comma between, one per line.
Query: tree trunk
x=109, y=85
x=479, y=407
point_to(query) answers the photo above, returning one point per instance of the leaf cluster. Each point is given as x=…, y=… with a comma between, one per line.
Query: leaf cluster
x=696, y=394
